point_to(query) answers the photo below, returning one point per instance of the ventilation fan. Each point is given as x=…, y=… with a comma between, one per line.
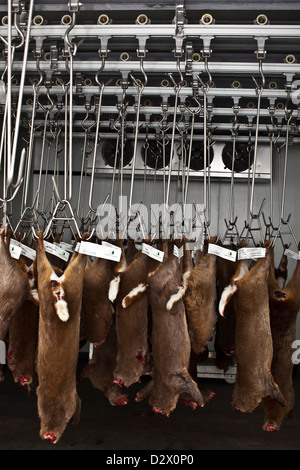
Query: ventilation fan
x=109, y=154
x=243, y=159
x=197, y=157
x=152, y=155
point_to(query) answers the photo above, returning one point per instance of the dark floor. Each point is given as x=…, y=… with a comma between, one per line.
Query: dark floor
x=135, y=427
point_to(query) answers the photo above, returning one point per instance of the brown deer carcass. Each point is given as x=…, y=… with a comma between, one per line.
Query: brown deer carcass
x=58, y=342
x=14, y=286
x=254, y=347
x=281, y=271
x=170, y=339
x=284, y=307
x=97, y=309
x=23, y=332
x=133, y=356
x=224, y=342
x=200, y=301
x=22, y=340
x=100, y=370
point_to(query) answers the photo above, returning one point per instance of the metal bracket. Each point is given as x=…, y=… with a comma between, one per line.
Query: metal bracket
x=54, y=56
x=141, y=51
x=188, y=58
x=261, y=52
x=103, y=51
x=206, y=51
x=180, y=19
x=74, y=6
x=38, y=46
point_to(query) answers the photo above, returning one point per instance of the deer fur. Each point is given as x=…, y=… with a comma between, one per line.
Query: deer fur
x=284, y=307
x=100, y=370
x=254, y=347
x=281, y=271
x=97, y=309
x=170, y=342
x=133, y=356
x=224, y=342
x=200, y=299
x=22, y=339
x=14, y=285
x=58, y=343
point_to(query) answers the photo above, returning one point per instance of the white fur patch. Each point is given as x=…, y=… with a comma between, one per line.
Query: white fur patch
x=114, y=288
x=133, y=293
x=231, y=289
x=225, y=297
x=61, y=305
x=122, y=264
x=35, y=294
x=62, y=310
x=180, y=293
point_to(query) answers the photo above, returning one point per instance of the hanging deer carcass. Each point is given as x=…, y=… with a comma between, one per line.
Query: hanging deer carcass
x=284, y=307
x=14, y=285
x=58, y=342
x=133, y=356
x=170, y=339
x=254, y=348
x=100, y=370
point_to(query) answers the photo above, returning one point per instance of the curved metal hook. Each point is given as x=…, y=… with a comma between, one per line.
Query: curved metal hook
x=260, y=87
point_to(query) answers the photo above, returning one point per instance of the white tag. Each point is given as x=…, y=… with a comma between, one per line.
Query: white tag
x=222, y=252
x=15, y=251
x=65, y=246
x=25, y=250
x=292, y=254
x=107, y=251
x=152, y=252
x=251, y=253
x=178, y=251
x=56, y=251
x=2, y=352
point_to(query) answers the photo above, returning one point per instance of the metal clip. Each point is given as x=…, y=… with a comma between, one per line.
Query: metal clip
x=180, y=19
x=206, y=51
x=189, y=58
x=141, y=51
x=74, y=6
x=54, y=57
x=260, y=53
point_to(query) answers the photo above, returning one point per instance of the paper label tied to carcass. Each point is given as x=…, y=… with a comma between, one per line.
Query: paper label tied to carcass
x=56, y=251
x=251, y=253
x=111, y=252
x=222, y=252
x=65, y=246
x=106, y=250
x=15, y=251
x=25, y=250
x=292, y=254
x=152, y=252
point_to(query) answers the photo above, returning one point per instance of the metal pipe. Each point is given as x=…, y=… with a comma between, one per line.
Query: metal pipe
x=12, y=156
x=140, y=92
x=95, y=148
x=260, y=90
x=8, y=92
